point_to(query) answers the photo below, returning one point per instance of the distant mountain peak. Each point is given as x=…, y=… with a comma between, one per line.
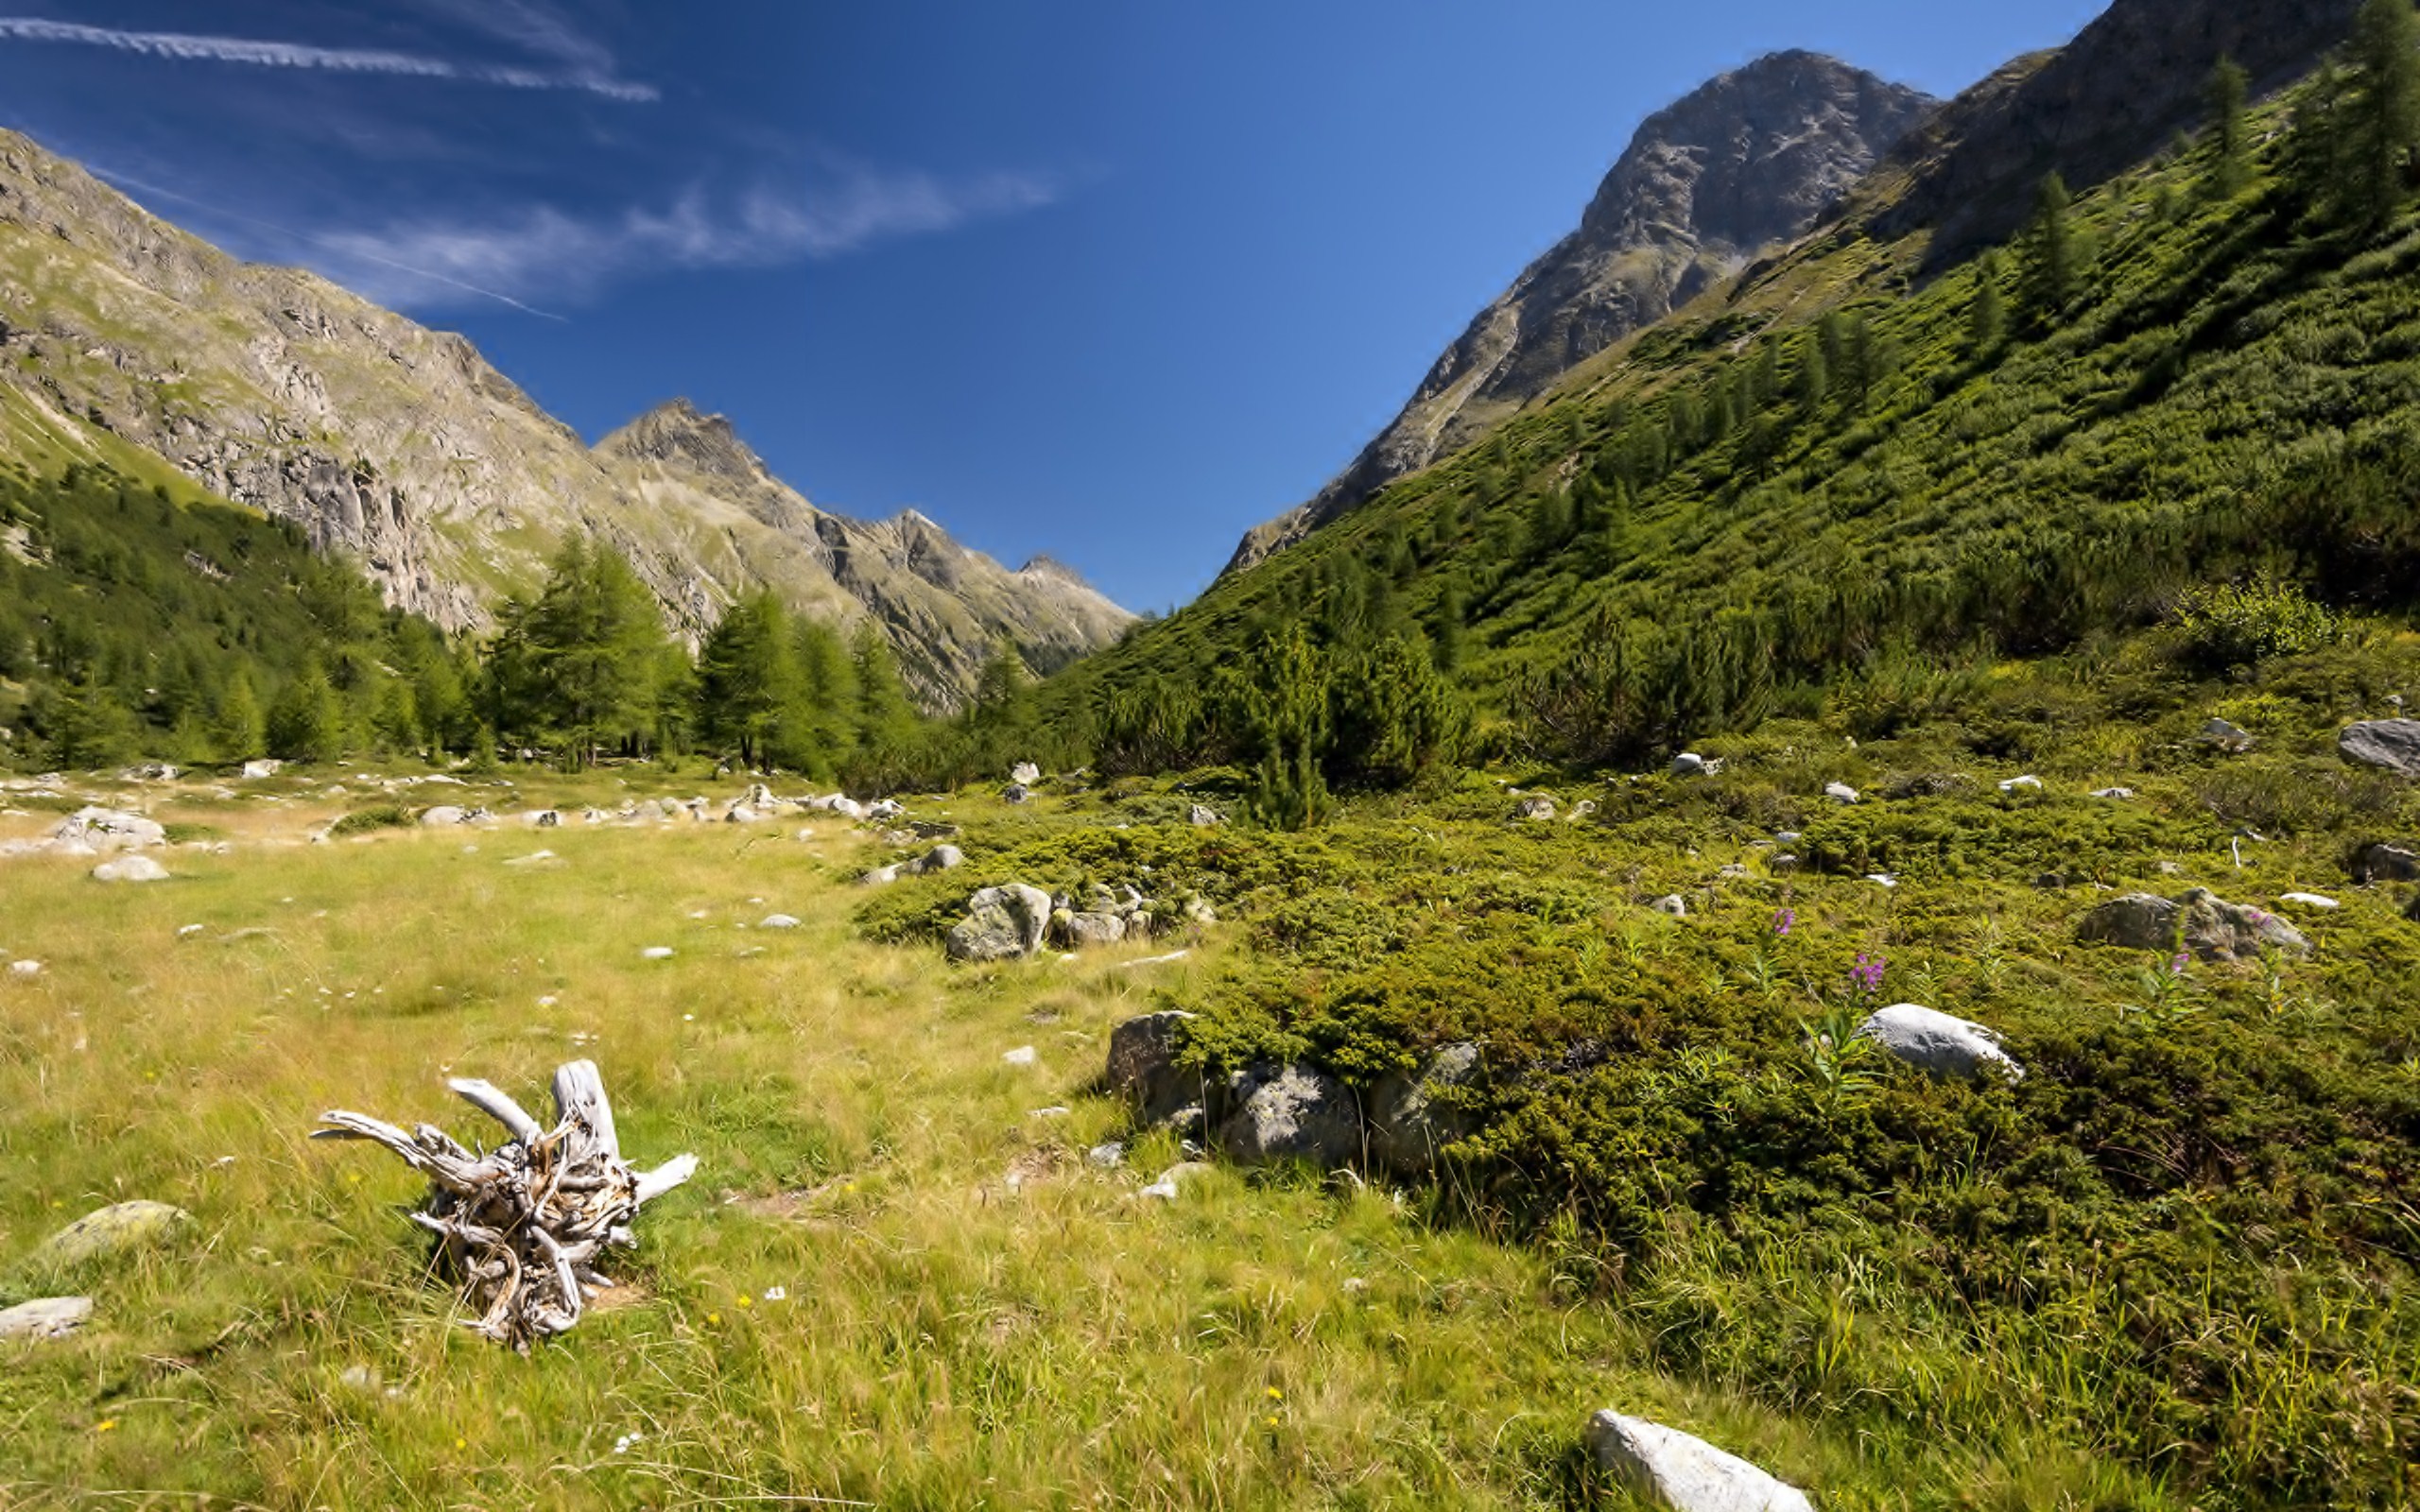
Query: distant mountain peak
x=1744, y=162
x=676, y=432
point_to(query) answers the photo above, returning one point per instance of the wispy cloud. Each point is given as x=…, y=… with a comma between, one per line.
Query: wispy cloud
x=184, y=46
x=545, y=252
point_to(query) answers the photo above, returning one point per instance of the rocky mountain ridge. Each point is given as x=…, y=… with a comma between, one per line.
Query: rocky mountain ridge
x=403, y=448
x=1750, y=160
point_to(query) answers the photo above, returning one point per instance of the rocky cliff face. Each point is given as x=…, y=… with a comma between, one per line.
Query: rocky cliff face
x=2091, y=110
x=400, y=446
x=1749, y=160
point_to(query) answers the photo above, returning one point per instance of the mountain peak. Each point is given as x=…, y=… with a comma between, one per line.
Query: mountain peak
x=676, y=432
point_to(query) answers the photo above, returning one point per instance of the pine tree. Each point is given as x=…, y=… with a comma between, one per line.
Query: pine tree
x=306, y=722
x=1814, y=374
x=1283, y=709
x=2048, y=278
x=2230, y=132
x=2381, y=126
x=1987, y=318
x=586, y=655
x=824, y=736
x=744, y=678
x=237, y=731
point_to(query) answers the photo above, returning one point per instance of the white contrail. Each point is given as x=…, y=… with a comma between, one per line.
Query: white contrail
x=186, y=46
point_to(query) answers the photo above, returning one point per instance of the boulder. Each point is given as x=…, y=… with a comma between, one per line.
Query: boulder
x=24, y=969
x=130, y=868
x=49, y=1317
x=1666, y=1467
x=2392, y=744
x=2387, y=863
x=2227, y=735
x=1003, y=924
x=740, y=813
x=1690, y=763
x=1143, y=1069
x=444, y=814
x=1413, y=1115
x=109, y=830
x=2199, y=921
x=758, y=797
x=2028, y=783
x=779, y=922
x=2311, y=900
x=118, y=1229
x=1674, y=906
x=1534, y=808
x=1088, y=930
x=1164, y=1189
x=259, y=771
x=1202, y=816
x=1290, y=1113
x=1025, y=774
x=1015, y=793
x=879, y=877
x=848, y=808
x=2114, y=795
x=1840, y=793
x=940, y=858
x=1938, y=1043
x=885, y=810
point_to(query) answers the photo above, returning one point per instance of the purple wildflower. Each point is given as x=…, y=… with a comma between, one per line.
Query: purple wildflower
x=2178, y=966
x=1786, y=921
x=1867, y=974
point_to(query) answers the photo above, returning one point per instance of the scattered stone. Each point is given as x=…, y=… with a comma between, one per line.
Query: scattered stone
x=2018, y=784
x=189, y=932
x=1106, y=1157
x=1534, y=808
x=2227, y=736
x=1415, y=1115
x=1938, y=1043
x=940, y=858
x=1882, y=879
x=1690, y=763
x=1673, y=904
x=2113, y=794
x=2202, y=923
x=779, y=922
x=114, y=1230
x=130, y=868
x=24, y=969
x=1198, y=910
x=1054, y=1110
x=1021, y=1055
x=2392, y=744
x=848, y=808
x=740, y=813
x=1088, y=930
x=1164, y=1189
x=1672, y=1470
x=2387, y=863
x=1003, y=924
x=1202, y=816
x=879, y=877
x=1840, y=793
x=2311, y=900
x=1015, y=793
x=1143, y=1065
x=656, y=953
x=1290, y=1112
x=1025, y=774
x=109, y=830
x=1170, y=959
x=50, y=1317
x=261, y=770
x=547, y=819
x=442, y=814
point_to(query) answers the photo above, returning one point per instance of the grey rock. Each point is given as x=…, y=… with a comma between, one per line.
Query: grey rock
x=548, y=819
x=1840, y=793
x=1413, y=1116
x=2202, y=923
x=118, y=1229
x=879, y=877
x=1087, y=930
x=1534, y=808
x=2392, y=744
x=444, y=814
x=1025, y=774
x=1202, y=816
x=1690, y=763
x=940, y=858
x=1016, y=793
x=49, y=1317
x=1938, y=1043
x=2227, y=736
x=1003, y=924
x=1291, y=1112
x=1673, y=904
x=130, y=868
x=1171, y=1180
x=1680, y=1472
x=259, y=770
x=1143, y=1065
x=2387, y=863
x=1107, y=1157
x=779, y=922
x=740, y=813
x=109, y=830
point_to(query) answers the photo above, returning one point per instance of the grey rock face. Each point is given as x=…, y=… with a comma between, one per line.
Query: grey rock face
x=1669, y=1469
x=2392, y=744
x=1293, y=1112
x=1143, y=1069
x=114, y=1230
x=1938, y=1043
x=1413, y=1116
x=1003, y=924
x=2202, y=923
x=49, y=1317
x=1747, y=162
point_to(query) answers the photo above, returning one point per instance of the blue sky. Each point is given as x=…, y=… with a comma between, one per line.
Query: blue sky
x=1112, y=280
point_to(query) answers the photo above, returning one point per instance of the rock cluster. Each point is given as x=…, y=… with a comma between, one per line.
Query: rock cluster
x=2199, y=922
x=1001, y=921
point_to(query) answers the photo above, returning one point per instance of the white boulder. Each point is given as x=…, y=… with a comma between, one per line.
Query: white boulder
x=1939, y=1044
x=1667, y=1468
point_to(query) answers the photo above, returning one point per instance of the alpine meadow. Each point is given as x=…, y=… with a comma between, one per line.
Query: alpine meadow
x=1801, y=888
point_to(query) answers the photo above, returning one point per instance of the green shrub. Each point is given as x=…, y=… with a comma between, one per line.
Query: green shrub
x=2234, y=625
x=378, y=817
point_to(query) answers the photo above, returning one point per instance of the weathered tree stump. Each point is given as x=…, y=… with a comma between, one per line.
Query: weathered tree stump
x=523, y=1225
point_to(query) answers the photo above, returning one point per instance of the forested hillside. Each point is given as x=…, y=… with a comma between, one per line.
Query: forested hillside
x=1829, y=485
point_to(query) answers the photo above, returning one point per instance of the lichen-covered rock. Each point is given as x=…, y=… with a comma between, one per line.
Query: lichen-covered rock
x=119, y=1228
x=2199, y=921
x=1202, y=816
x=940, y=858
x=1669, y=1469
x=48, y=1317
x=2392, y=744
x=1534, y=808
x=1090, y=930
x=1002, y=923
x=1291, y=1112
x=1143, y=1065
x=1414, y=1115
x=1939, y=1044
